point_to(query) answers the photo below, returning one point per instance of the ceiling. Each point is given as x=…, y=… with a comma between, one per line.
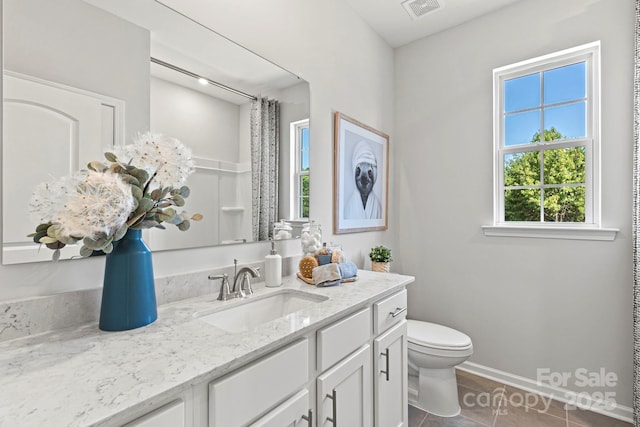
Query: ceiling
x=393, y=23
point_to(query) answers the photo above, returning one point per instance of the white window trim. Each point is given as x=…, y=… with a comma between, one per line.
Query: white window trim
x=592, y=228
x=295, y=132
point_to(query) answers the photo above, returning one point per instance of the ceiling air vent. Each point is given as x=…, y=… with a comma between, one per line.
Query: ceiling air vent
x=418, y=8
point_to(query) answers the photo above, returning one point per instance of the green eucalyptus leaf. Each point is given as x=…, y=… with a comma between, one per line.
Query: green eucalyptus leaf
x=56, y=255
x=136, y=192
x=141, y=175
x=111, y=157
x=178, y=200
x=86, y=251
x=54, y=231
x=108, y=248
x=175, y=220
x=184, y=225
x=42, y=227
x=130, y=179
x=184, y=191
x=156, y=194
x=39, y=235
x=55, y=245
x=117, y=168
x=94, y=244
x=68, y=240
x=96, y=166
x=47, y=239
x=119, y=234
x=146, y=204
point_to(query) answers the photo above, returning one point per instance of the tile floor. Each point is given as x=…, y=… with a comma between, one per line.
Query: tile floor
x=492, y=404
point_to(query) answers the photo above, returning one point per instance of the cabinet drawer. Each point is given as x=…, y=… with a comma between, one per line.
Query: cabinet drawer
x=242, y=396
x=295, y=412
x=343, y=337
x=389, y=311
x=170, y=415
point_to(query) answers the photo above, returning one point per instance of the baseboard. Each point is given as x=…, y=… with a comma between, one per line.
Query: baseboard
x=620, y=412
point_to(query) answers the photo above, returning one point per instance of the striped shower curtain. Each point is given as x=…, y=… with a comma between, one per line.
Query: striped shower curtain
x=636, y=224
x=265, y=153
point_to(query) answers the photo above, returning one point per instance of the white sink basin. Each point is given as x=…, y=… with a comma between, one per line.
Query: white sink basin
x=257, y=310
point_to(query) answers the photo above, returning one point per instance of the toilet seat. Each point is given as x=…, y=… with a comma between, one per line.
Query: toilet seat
x=432, y=335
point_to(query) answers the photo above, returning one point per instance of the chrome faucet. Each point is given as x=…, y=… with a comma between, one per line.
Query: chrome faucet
x=244, y=276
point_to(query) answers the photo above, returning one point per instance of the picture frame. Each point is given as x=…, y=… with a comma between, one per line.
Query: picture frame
x=360, y=154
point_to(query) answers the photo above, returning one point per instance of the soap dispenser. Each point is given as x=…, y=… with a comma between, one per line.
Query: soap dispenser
x=273, y=268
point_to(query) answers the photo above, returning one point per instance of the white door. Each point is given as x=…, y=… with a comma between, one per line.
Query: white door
x=295, y=412
x=49, y=131
x=344, y=392
x=390, y=377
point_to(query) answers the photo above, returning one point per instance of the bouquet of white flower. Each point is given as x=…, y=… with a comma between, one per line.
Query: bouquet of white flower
x=97, y=206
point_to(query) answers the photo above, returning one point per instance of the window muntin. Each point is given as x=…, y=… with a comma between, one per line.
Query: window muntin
x=300, y=190
x=547, y=139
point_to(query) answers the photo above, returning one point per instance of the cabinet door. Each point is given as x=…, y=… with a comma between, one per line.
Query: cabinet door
x=390, y=377
x=344, y=392
x=295, y=412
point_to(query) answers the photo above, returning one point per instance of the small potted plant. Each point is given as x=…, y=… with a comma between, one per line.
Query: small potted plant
x=380, y=259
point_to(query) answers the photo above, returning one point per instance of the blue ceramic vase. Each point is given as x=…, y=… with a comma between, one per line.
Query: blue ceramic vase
x=128, y=294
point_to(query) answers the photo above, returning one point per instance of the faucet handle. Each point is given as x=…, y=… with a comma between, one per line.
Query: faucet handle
x=225, y=292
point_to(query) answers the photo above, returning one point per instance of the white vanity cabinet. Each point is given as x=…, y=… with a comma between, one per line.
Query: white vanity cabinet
x=390, y=377
x=390, y=362
x=238, y=398
x=349, y=373
x=344, y=392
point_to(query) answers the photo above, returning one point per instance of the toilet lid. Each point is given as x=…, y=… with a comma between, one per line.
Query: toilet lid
x=434, y=335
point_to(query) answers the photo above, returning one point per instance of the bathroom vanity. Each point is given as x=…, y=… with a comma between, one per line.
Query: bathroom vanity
x=330, y=357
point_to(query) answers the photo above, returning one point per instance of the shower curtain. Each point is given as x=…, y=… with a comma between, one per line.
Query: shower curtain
x=265, y=153
x=636, y=224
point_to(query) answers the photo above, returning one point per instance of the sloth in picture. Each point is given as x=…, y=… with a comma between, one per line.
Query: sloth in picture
x=363, y=203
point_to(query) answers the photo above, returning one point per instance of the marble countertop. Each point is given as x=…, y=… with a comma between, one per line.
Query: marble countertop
x=87, y=377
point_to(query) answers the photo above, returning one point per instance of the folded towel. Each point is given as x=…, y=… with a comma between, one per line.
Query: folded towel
x=326, y=275
x=347, y=269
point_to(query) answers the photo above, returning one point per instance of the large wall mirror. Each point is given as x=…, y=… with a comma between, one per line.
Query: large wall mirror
x=83, y=75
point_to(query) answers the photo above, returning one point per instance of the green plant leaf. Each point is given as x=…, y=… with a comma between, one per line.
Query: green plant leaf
x=111, y=157
x=85, y=251
x=96, y=166
x=184, y=225
x=141, y=175
x=136, y=192
x=178, y=200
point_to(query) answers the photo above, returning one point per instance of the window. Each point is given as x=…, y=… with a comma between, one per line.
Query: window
x=546, y=139
x=300, y=163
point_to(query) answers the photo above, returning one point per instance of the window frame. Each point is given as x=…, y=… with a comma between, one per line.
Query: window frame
x=297, y=174
x=590, y=54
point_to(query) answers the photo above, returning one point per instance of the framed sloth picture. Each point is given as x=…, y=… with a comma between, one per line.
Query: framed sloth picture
x=361, y=177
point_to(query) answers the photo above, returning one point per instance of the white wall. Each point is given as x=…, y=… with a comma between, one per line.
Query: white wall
x=526, y=303
x=349, y=68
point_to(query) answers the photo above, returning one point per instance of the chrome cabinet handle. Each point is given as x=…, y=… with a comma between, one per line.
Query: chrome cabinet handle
x=309, y=418
x=334, y=397
x=398, y=311
x=386, y=356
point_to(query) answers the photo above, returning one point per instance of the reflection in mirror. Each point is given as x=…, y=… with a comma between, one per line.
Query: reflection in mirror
x=78, y=80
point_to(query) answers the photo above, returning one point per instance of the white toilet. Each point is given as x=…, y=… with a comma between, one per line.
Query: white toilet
x=433, y=352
